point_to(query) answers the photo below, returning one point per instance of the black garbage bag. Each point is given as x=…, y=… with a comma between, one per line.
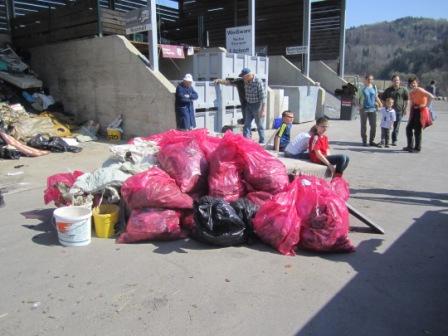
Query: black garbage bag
x=246, y=210
x=217, y=223
x=9, y=153
x=53, y=144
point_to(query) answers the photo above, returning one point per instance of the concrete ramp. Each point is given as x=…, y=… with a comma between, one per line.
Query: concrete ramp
x=103, y=77
x=330, y=81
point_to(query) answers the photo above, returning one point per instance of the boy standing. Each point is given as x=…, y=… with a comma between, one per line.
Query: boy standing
x=283, y=135
x=400, y=96
x=388, y=118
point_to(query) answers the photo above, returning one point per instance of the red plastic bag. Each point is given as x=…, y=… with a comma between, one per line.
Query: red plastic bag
x=340, y=187
x=172, y=136
x=209, y=144
x=154, y=188
x=225, y=178
x=262, y=171
x=152, y=224
x=425, y=117
x=277, y=222
x=324, y=215
x=259, y=197
x=185, y=162
x=52, y=192
x=187, y=220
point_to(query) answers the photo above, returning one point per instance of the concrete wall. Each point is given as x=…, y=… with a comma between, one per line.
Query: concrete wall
x=326, y=76
x=285, y=73
x=100, y=78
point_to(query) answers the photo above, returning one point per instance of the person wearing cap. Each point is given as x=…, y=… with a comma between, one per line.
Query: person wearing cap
x=239, y=84
x=255, y=94
x=185, y=94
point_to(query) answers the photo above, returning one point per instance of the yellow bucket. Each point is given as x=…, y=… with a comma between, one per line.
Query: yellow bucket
x=113, y=134
x=105, y=217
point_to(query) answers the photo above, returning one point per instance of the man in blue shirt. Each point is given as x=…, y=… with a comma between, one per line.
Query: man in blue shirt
x=369, y=104
x=185, y=95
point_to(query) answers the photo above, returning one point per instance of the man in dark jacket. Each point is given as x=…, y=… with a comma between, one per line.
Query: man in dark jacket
x=400, y=96
x=185, y=94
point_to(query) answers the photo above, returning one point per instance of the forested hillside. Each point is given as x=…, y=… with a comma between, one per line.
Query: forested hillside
x=406, y=46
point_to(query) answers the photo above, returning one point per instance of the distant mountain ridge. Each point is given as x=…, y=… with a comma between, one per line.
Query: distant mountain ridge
x=407, y=46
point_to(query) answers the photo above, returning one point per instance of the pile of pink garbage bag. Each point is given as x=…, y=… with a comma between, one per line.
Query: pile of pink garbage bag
x=228, y=190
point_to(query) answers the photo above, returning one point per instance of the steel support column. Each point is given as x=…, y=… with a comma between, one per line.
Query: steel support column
x=152, y=37
x=342, y=41
x=306, y=36
x=252, y=24
x=10, y=12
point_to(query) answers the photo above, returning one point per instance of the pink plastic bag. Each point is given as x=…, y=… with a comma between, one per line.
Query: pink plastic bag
x=209, y=144
x=152, y=224
x=340, y=187
x=225, y=171
x=185, y=162
x=262, y=171
x=259, y=197
x=52, y=192
x=187, y=220
x=277, y=222
x=324, y=215
x=173, y=135
x=154, y=188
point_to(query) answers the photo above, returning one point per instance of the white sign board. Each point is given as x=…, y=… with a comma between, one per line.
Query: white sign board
x=239, y=40
x=137, y=20
x=296, y=50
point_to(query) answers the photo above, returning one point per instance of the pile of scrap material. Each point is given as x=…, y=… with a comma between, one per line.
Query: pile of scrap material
x=219, y=191
x=24, y=133
x=32, y=123
x=16, y=72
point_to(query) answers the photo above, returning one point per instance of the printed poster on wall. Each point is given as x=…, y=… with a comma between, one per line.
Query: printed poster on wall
x=239, y=40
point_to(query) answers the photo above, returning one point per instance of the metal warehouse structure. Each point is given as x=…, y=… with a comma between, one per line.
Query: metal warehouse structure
x=278, y=24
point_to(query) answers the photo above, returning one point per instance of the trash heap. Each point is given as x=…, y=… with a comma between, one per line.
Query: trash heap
x=220, y=191
x=32, y=123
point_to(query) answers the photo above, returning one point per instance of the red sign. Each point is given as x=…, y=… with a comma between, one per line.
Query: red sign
x=172, y=51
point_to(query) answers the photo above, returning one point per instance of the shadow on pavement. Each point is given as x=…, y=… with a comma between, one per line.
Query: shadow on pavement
x=182, y=246
x=48, y=235
x=401, y=196
x=400, y=292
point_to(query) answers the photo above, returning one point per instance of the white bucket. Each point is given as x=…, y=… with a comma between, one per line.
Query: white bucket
x=73, y=224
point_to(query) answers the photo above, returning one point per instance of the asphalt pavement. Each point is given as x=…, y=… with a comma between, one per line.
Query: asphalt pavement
x=394, y=284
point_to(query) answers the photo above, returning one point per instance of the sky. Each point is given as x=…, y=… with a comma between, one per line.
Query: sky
x=359, y=12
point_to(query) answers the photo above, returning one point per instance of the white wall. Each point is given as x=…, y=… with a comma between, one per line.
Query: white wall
x=100, y=78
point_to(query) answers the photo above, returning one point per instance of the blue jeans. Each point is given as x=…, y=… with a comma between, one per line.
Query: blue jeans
x=253, y=112
x=300, y=156
x=340, y=160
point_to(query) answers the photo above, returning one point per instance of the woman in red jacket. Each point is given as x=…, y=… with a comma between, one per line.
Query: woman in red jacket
x=320, y=150
x=419, y=117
